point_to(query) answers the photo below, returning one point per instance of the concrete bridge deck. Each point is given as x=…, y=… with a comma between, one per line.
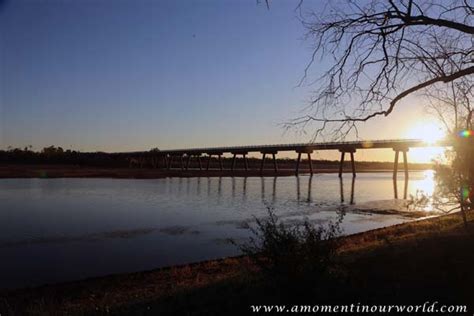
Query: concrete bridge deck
x=366, y=144
x=350, y=147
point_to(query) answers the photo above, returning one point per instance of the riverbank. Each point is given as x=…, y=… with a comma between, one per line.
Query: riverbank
x=427, y=260
x=74, y=171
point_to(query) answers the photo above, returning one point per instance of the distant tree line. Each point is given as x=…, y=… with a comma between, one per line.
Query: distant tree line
x=57, y=155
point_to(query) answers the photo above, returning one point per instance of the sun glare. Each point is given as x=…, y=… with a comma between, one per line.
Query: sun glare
x=429, y=132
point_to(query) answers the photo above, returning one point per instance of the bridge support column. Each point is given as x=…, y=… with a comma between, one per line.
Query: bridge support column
x=341, y=189
x=341, y=163
x=353, y=165
x=310, y=163
x=220, y=162
x=395, y=189
x=170, y=160
x=405, y=163
x=343, y=151
x=307, y=151
x=233, y=162
x=200, y=162
x=395, y=166
x=182, y=162
x=234, y=159
x=298, y=164
x=264, y=153
x=209, y=156
x=404, y=151
x=188, y=162
x=263, y=162
x=275, y=165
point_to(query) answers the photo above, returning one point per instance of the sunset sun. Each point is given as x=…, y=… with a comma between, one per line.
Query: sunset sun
x=429, y=132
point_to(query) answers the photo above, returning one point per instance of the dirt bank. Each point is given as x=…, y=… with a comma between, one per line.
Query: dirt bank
x=426, y=260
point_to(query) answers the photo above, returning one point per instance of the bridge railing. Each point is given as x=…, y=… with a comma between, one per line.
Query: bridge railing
x=364, y=144
x=291, y=146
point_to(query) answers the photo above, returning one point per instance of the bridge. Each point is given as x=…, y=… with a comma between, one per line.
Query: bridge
x=185, y=156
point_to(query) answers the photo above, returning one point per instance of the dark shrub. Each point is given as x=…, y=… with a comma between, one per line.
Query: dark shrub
x=293, y=254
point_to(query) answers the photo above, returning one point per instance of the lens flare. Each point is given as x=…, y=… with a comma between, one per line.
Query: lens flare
x=465, y=193
x=466, y=133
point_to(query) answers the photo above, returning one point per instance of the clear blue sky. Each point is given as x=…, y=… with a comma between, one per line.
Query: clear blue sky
x=132, y=75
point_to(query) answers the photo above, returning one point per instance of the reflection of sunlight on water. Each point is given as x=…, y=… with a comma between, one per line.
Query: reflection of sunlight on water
x=425, y=189
x=427, y=185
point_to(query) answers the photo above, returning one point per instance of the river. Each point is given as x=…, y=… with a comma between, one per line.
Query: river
x=55, y=230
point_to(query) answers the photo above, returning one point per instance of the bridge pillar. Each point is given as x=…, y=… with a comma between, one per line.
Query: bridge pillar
x=233, y=162
x=170, y=160
x=165, y=163
x=405, y=163
x=341, y=163
x=395, y=166
x=341, y=189
x=182, y=162
x=404, y=151
x=264, y=153
x=310, y=163
x=353, y=165
x=343, y=151
x=220, y=162
x=209, y=156
x=200, y=162
x=263, y=162
x=307, y=151
x=244, y=155
x=188, y=161
x=275, y=165
x=298, y=164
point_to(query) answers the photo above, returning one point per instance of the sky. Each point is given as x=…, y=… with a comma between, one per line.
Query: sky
x=115, y=75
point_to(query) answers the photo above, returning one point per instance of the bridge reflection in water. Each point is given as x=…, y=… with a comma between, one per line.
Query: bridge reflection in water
x=305, y=191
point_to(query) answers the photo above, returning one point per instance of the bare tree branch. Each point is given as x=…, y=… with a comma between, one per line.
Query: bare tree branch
x=382, y=52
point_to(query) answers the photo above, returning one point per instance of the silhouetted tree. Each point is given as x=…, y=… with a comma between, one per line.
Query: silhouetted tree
x=382, y=52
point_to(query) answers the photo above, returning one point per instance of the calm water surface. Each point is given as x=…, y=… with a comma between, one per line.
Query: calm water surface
x=54, y=230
